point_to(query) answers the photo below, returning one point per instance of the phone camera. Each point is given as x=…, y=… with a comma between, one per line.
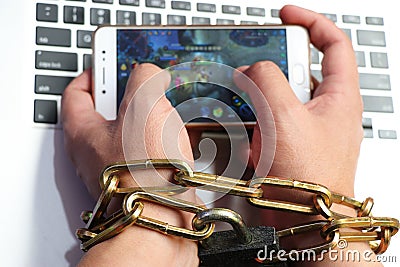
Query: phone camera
x=104, y=92
x=103, y=51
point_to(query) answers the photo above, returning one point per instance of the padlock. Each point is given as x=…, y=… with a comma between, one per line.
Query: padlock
x=242, y=246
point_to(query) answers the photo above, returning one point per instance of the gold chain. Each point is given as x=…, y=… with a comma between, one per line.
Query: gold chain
x=375, y=230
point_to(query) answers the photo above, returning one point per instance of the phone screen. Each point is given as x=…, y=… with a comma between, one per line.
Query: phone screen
x=232, y=47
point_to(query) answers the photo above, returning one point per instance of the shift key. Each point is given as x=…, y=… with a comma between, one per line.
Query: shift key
x=56, y=60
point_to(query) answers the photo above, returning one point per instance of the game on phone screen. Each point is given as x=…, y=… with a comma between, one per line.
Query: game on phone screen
x=197, y=48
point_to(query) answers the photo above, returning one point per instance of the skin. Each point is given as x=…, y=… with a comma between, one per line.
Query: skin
x=317, y=142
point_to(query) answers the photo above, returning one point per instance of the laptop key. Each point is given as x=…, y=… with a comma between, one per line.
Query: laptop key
x=360, y=58
x=200, y=21
x=155, y=3
x=74, y=14
x=255, y=11
x=129, y=2
x=151, y=18
x=374, y=81
x=332, y=17
x=351, y=19
x=176, y=20
x=374, y=20
x=387, y=134
x=49, y=60
x=367, y=122
x=368, y=133
x=275, y=13
x=314, y=56
x=379, y=60
x=45, y=111
x=228, y=9
x=126, y=17
x=103, y=1
x=206, y=7
x=87, y=61
x=46, y=12
x=378, y=104
x=84, y=39
x=53, y=36
x=182, y=5
x=372, y=38
x=225, y=22
x=99, y=16
x=52, y=85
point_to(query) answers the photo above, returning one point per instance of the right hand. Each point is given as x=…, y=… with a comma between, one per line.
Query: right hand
x=320, y=140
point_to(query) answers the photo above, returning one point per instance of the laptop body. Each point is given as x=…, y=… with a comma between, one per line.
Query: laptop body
x=42, y=197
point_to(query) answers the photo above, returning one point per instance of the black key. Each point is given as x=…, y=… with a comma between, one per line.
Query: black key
x=87, y=61
x=126, y=17
x=155, y=3
x=255, y=11
x=129, y=2
x=374, y=81
x=99, y=16
x=56, y=61
x=74, y=14
x=228, y=9
x=103, y=1
x=374, y=20
x=372, y=38
x=200, y=21
x=387, y=134
x=378, y=104
x=47, y=12
x=84, y=39
x=53, y=36
x=176, y=20
x=182, y=5
x=206, y=7
x=151, y=18
x=52, y=85
x=45, y=111
x=351, y=19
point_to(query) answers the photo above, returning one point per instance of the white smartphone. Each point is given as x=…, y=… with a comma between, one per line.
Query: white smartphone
x=118, y=49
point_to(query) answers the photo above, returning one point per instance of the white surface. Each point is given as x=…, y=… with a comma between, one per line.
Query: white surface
x=42, y=198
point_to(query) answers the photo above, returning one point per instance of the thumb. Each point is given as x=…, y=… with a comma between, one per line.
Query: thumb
x=151, y=126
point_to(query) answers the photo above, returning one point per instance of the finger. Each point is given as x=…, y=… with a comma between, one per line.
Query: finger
x=339, y=66
x=77, y=106
x=146, y=85
x=267, y=88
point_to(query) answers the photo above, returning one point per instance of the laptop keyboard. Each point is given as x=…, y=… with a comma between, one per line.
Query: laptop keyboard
x=64, y=38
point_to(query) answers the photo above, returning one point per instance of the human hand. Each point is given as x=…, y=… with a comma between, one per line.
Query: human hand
x=320, y=140
x=147, y=126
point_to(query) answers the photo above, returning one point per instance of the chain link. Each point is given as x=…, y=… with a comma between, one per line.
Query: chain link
x=375, y=230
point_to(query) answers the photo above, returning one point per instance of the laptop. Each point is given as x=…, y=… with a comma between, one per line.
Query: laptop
x=42, y=197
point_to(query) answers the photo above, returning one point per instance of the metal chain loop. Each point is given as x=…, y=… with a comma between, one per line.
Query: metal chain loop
x=375, y=230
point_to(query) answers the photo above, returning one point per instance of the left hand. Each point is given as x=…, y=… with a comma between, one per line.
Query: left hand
x=151, y=128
